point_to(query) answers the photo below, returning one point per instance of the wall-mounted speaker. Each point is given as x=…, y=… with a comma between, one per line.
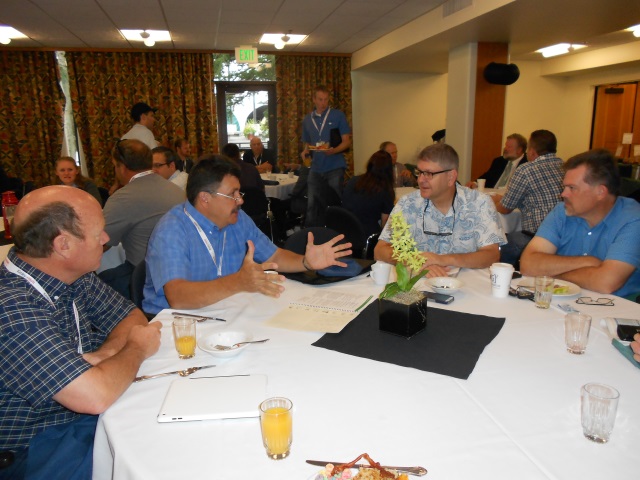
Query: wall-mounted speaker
x=501, y=73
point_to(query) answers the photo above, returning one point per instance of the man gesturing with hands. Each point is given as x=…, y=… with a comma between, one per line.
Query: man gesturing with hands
x=208, y=249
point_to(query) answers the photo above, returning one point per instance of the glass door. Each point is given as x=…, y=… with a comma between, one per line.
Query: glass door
x=245, y=110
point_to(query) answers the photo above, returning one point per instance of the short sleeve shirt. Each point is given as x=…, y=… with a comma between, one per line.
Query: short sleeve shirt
x=614, y=238
x=177, y=251
x=473, y=221
x=39, y=345
x=535, y=189
x=313, y=132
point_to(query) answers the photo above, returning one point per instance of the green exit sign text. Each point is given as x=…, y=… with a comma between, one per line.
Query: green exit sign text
x=246, y=54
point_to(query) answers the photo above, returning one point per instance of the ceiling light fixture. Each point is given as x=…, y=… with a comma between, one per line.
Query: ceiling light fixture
x=148, y=40
x=7, y=33
x=559, y=49
x=280, y=40
x=635, y=30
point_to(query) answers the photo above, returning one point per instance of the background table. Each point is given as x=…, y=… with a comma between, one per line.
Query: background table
x=282, y=191
x=517, y=416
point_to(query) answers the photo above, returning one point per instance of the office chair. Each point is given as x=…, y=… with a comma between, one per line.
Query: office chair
x=136, y=287
x=258, y=207
x=297, y=243
x=343, y=221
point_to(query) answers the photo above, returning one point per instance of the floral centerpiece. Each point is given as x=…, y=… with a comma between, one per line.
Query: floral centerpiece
x=402, y=309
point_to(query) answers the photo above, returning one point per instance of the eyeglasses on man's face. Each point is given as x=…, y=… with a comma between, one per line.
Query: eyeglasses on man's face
x=158, y=165
x=235, y=199
x=429, y=175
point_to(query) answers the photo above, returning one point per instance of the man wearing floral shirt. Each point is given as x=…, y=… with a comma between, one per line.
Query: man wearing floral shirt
x=452, y=225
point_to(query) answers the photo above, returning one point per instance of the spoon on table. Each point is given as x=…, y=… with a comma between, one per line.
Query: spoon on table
x=236, y=345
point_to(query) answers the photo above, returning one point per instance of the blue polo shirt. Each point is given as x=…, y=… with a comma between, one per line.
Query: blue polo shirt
x=614, y=238
x=176, y=251
x=310, y=134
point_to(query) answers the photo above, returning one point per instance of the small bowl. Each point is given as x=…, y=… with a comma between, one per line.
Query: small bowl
x=228, y=338
x=446, y=285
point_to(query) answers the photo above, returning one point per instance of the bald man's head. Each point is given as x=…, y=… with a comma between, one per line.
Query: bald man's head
x=45, y=213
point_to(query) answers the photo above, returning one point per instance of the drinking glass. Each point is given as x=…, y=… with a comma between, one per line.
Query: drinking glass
x=184, y=336
x=544, y=292
x=276, y=425
x=576, y=332
x=599, y=404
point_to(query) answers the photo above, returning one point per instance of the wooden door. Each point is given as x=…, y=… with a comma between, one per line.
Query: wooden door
x=613, y=116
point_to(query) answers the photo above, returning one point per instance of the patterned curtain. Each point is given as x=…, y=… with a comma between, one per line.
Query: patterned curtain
x=105, y=85
x=31, y=115
x=296, y=78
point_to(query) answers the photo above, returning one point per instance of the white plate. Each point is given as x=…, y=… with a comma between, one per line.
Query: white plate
x=529, y=284
x=227, y=337
x=446, y=285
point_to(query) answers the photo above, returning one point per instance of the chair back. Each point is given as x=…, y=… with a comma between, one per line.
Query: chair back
x=343, y=221
x=370, y=246
x=257, y=206
x=297, y=243
x=136, y=287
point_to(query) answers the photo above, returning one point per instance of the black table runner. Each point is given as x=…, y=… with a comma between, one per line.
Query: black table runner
x=450, y=345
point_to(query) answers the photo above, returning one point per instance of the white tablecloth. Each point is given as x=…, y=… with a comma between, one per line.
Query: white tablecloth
x=511, y=222
x=281, y=191
x=516, y=417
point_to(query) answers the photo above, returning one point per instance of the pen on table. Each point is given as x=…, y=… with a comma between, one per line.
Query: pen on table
x=365, y=302
x=180, y=314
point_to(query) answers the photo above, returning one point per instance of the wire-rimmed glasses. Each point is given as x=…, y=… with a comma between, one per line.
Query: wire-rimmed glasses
x=235, y=199
x=602, y=301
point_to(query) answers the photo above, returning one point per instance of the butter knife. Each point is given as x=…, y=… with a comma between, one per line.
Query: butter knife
x=182, y=373
x=417, y=471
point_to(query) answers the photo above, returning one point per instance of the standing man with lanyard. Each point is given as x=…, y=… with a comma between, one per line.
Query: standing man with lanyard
x=325, y=131
x=70, y=345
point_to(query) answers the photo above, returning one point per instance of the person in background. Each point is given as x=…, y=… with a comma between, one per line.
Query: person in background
x=502, y=168
x=145, y=119
x=183, y=149
x=534, y=189
x=591, y=239
x=133, y=210
x=402, y=177
x=262, y=158
x=221, y=251
x=70, y=345
x=371, y=196
x=452, y=225
x=69, y=174
x=249, y=177
x=165, y=163
x=326, y=131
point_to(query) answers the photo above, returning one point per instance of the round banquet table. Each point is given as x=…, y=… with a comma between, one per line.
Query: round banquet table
x=281, y=191
x=516, y=416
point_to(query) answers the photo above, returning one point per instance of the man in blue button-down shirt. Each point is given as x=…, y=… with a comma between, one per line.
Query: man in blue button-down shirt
x=208, y=249
x=591, y=239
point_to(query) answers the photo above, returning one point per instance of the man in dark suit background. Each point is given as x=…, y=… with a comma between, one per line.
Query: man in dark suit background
x=498, y=175
x=261, y=158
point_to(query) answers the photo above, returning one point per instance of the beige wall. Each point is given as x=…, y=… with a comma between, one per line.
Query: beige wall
x=403, y=108
x=408, y=108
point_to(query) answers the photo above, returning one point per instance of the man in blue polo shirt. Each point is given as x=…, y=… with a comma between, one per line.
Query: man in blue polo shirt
x=325, y=132
x=208, y=249
x=591, y=239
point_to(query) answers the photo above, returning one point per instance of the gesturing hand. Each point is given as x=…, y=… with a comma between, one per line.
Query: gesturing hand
x=326, y=255
x=253, y=278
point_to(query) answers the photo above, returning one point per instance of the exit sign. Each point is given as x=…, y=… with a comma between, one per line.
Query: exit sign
x=246, y=54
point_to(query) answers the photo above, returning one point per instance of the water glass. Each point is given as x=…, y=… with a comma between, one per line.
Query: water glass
x=276, y=425
x=599, y=404
x=576, y=332
x=544, y=292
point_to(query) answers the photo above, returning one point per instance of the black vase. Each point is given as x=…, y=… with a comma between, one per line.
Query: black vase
x=401, y=319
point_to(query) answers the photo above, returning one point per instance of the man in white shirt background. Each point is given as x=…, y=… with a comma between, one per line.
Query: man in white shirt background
x=502, y=168
x=165, y=164
x=145, y=119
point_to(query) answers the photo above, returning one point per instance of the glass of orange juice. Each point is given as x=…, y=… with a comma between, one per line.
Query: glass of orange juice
x=184, y=336
x=276, y=424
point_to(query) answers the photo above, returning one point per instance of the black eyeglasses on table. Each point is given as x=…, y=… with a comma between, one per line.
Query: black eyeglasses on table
x=602, y=301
